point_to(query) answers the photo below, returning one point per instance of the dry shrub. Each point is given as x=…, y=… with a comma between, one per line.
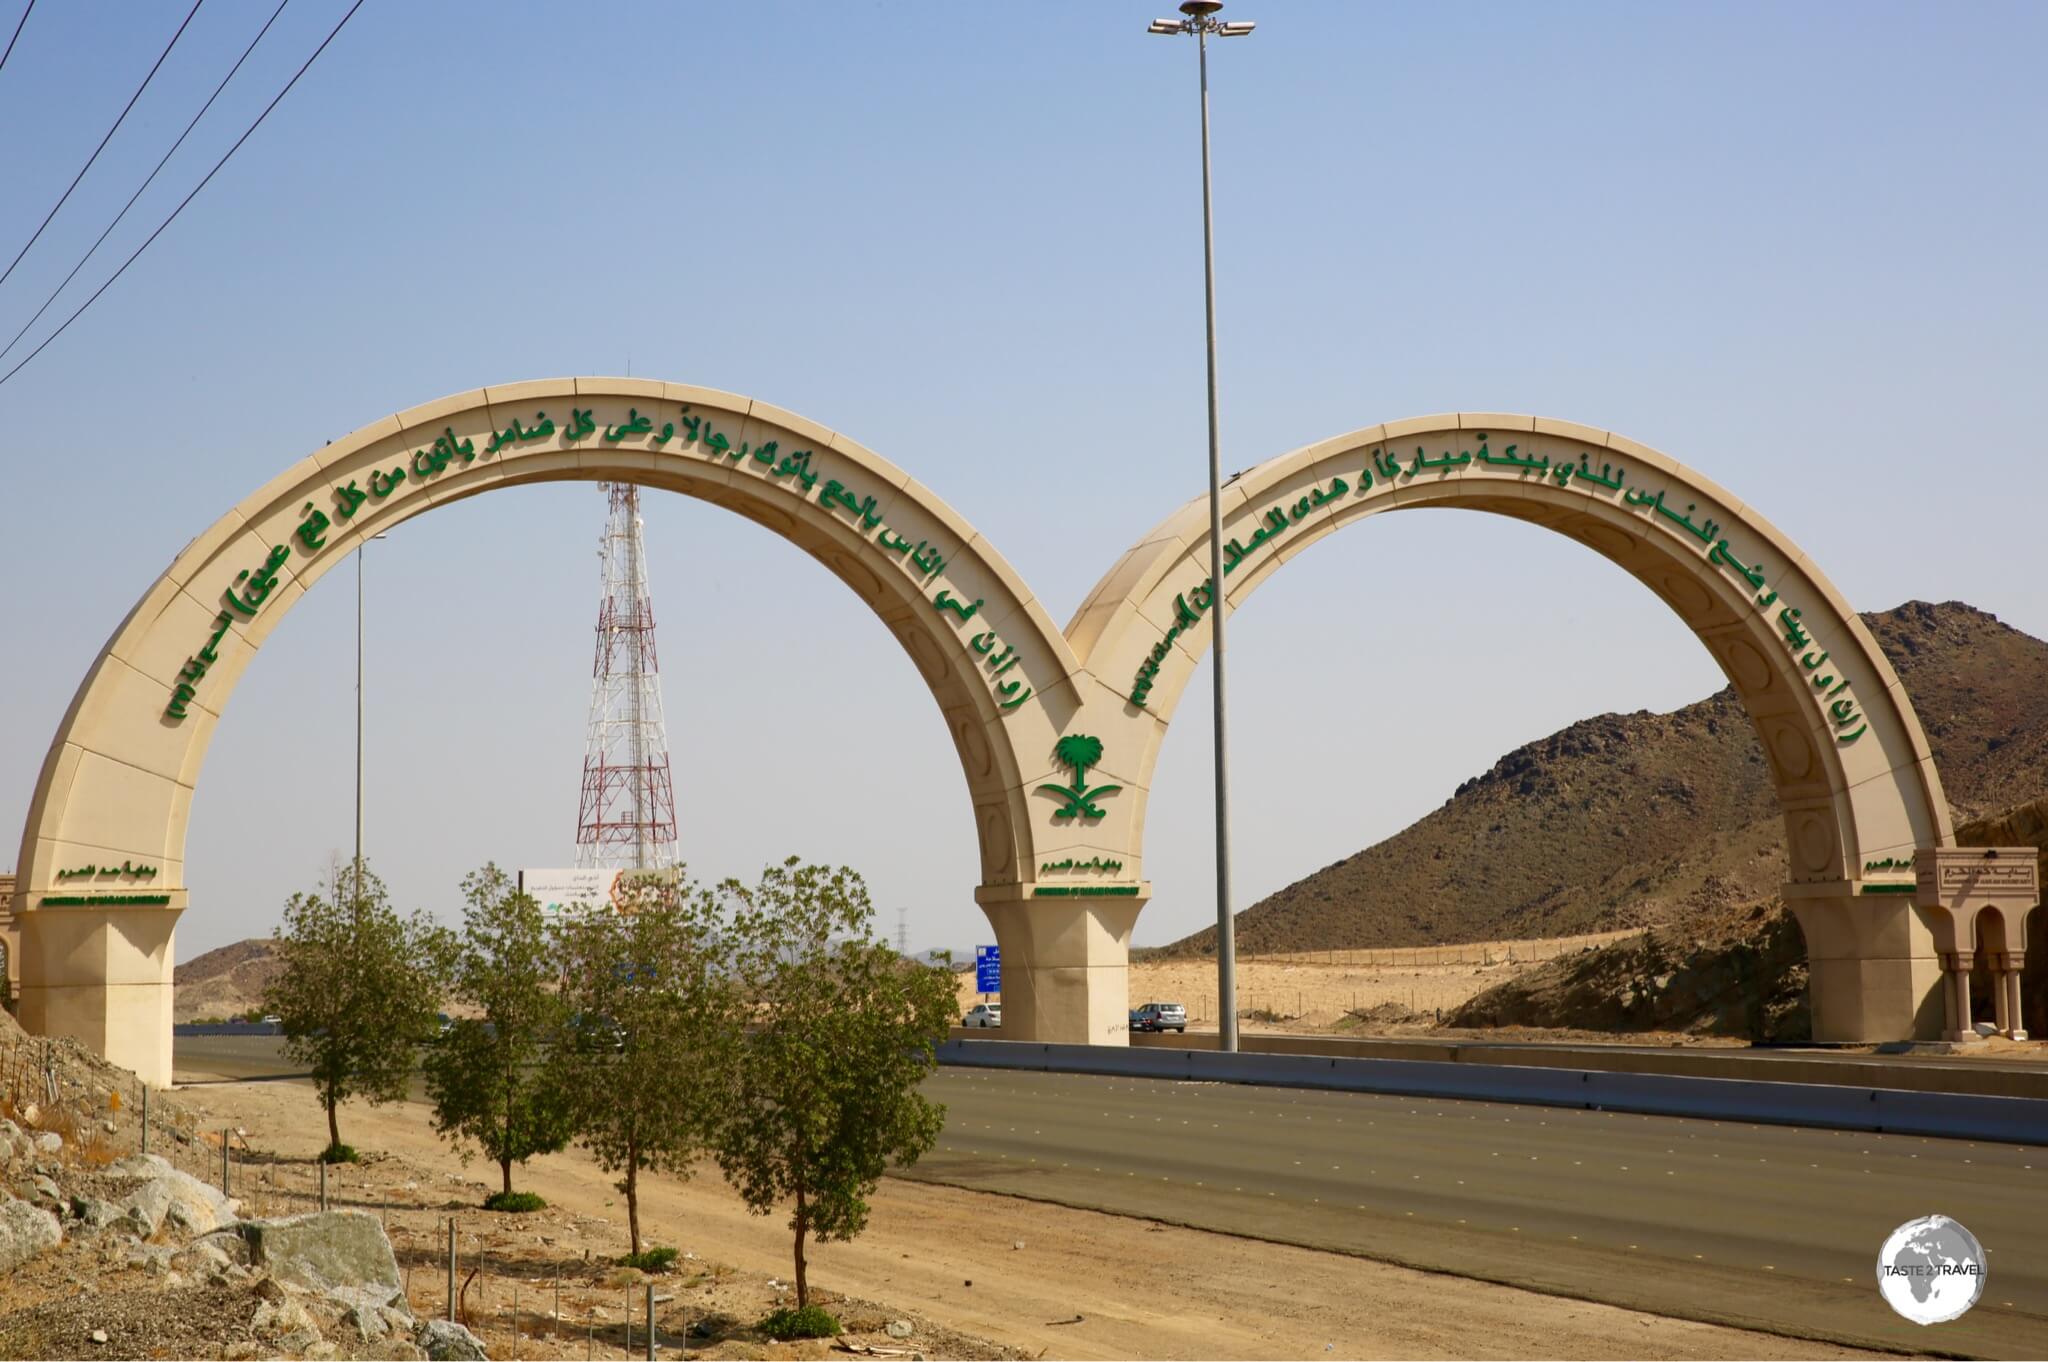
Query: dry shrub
x=96, y=1150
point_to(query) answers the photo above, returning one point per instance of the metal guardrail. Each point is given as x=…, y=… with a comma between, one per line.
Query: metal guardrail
x=234, y=1028
x=2017, y=1120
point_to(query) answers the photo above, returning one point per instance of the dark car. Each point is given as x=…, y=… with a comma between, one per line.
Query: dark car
x=1159, y=1017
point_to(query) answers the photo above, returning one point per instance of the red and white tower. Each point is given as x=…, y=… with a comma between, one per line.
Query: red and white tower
x=628, y=815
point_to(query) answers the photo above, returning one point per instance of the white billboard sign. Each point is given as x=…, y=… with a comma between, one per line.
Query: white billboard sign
x=569, y=891
x=578, y=890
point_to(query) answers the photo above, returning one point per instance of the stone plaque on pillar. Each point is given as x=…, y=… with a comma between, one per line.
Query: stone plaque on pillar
x=1962, y=879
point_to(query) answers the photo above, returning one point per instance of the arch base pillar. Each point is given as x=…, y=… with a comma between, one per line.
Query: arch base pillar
x=102, y=976
x=2013, y=964
x=1873, y=973
x=1066, y=964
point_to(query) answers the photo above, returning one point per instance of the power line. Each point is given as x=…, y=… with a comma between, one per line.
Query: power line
x=17, y=34
x=146, y=183
x=189, y=197
x=110, y=134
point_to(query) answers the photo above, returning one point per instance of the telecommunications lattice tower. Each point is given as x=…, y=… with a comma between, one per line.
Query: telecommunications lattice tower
x=627, y=820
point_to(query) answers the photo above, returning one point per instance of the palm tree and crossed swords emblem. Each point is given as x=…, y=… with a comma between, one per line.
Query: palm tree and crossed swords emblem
x=1077, y=752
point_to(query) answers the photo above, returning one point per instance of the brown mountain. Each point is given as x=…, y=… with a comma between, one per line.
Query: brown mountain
x=1654, y=819
x=1740, y=972
x=225, y=982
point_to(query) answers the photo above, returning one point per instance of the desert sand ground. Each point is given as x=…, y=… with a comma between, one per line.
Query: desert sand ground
x=981, y=1275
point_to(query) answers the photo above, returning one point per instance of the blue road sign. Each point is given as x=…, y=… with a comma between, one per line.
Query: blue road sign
x=988, y=969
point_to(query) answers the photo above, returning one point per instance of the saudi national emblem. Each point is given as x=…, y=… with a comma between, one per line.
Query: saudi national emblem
x=1077, y=752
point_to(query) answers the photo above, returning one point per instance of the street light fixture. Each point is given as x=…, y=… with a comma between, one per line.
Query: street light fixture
x=1200, y=19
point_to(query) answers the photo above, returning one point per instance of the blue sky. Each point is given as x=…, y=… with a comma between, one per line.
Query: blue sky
x=1797, y=247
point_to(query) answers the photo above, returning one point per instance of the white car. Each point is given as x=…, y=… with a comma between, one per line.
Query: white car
x=984, y=1014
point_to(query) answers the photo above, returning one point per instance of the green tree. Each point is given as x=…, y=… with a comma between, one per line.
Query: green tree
x=651, y=1015
x=842, y=1031
x=485, y=1075
x=359, y=990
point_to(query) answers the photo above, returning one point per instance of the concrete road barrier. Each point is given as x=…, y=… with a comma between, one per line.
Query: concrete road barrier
x=2018, y=1120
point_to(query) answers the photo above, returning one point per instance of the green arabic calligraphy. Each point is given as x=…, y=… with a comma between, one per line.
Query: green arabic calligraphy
x=125, y=870
x=1092, y=863
x=1081, y=891
x=922, y=559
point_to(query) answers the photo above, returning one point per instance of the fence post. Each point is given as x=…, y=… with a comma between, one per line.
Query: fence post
x=323, y=1184
x=145, y=1118
x=451, y=1269
x=224, y=1162
x=650, y=1322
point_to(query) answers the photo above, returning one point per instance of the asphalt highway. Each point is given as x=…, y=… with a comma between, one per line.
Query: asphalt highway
x=1770, y=1227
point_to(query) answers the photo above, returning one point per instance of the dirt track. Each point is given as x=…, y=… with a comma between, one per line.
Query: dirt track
x=1140, y=1289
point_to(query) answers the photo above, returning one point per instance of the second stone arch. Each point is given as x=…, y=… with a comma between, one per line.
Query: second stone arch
x=1851, y=767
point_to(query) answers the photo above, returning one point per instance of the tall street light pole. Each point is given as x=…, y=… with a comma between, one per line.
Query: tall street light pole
x=1200, y=19
x=358, y=863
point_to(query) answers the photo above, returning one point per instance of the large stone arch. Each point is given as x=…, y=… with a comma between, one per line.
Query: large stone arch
x=1854, y=775
x=116, y=788
x=1057, y=733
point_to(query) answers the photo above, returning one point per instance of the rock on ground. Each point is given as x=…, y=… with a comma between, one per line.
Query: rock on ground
x=171, y=1194
x=446, y=1341
x=288, y=1323
x=25, y=1232
x=205, y=1258
x=94, y=1213
x=341, y=1253
x=369, y=1324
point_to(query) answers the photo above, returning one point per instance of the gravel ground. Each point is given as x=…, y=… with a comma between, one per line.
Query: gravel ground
x=143, y=1320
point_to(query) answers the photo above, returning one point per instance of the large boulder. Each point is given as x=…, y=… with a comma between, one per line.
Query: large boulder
x=26, y=1231
x=343, y=1254
x=171, y=1195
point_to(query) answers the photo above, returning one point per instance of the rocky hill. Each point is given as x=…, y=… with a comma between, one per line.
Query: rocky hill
x=225, y=982
x=1673, y=816
x=1740, y=973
